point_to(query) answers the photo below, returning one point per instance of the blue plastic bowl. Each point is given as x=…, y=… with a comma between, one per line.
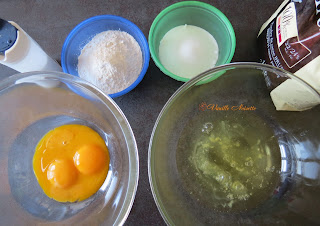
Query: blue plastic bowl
x=87, y=29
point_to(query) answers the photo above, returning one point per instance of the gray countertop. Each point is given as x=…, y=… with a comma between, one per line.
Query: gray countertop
x=49, y=23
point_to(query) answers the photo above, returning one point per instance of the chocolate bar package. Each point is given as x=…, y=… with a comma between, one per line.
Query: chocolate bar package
x=290, y=40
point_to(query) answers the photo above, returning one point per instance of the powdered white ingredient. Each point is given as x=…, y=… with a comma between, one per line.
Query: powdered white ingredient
x=112, y=61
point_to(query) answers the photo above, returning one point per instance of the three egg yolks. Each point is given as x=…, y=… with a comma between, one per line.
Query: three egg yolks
x=71, y=163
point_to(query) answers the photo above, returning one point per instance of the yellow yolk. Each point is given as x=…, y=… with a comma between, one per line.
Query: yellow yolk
x=71, y=162
x=62, y=173
x=90, y=159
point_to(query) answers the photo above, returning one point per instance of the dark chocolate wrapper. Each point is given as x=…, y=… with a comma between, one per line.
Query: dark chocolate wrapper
x=295, y=52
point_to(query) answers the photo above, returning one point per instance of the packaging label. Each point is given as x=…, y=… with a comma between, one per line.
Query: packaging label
x=290, y=39
x=291, y=49
x=287, y=24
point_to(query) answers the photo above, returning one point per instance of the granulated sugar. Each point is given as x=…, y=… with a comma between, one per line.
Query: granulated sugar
x=112, y=61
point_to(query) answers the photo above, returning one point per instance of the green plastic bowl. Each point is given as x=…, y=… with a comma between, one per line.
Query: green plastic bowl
x=198, y=14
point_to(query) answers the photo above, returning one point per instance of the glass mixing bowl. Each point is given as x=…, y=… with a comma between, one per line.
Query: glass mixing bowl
x=31, y=105
x=220, y=153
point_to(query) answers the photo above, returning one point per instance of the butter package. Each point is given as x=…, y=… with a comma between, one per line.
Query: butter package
x=290, y=40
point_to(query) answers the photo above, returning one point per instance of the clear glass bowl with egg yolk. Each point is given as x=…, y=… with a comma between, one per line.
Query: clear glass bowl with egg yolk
x=36, y=103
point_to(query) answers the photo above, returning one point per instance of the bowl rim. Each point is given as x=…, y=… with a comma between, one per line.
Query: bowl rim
x=185, y=87
x=144, y=48
x=188, y=4
x=28, y=77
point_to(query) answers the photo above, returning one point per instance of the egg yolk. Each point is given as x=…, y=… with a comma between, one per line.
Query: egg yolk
x=62, y=173
x=71, y=162
x=90, y=159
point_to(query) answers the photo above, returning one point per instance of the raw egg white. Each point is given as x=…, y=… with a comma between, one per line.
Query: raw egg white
x=71, y=162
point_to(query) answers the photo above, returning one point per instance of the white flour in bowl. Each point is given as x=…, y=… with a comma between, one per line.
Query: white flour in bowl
x=112, y=61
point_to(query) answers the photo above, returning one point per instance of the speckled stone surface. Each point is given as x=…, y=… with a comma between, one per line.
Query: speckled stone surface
x=49, y=23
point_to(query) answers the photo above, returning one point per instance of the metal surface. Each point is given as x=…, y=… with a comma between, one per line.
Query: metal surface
x=49, y=22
